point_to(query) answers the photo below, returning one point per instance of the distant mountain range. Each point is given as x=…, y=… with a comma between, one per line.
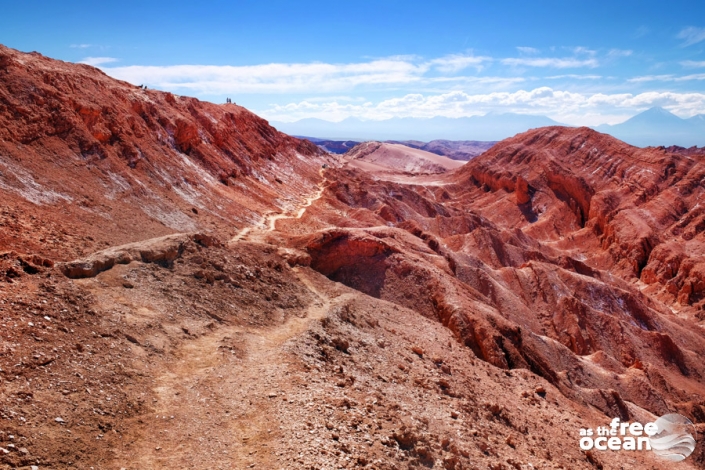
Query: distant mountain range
x=656, y=126
x=653, y=127
x=490, y=127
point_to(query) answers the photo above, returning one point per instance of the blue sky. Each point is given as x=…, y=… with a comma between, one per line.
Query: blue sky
x=579, y=62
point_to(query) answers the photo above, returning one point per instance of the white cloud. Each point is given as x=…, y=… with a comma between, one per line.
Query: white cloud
x=693, y=64
x=695, y=76
x=652, y=78
x=80, y=46
x=315, y=99
x=472, y=80
x=456, y=63
x=564, y=106
x=552, y=62
x=640, y=32
x=274, y=78
x=282, y=78
x=527, y=50
x=96, y=61
x=279, y=78
x=691, y=35
x=667, y=78
x=421, y=87
x=573, y=76
x=619, y=53
x=583, y=50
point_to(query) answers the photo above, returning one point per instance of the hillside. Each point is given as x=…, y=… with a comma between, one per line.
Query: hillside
x=398, y=158
x=80, y=150
x=456, y=149
x=183, y=286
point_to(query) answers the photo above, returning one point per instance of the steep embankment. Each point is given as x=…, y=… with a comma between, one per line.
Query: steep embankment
x=639, y=209
x=530, y=254
x=100, y=161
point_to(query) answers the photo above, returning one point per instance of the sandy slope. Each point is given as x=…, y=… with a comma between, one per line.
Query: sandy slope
x=376, y=156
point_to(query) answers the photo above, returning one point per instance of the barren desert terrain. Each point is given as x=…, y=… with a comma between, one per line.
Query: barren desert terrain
x=183, y=286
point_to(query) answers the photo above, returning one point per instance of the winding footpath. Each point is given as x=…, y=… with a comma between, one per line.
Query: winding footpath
x=269, y=219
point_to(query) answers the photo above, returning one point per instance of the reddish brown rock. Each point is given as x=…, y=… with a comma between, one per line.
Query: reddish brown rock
x=522, y=191
x=80, y=150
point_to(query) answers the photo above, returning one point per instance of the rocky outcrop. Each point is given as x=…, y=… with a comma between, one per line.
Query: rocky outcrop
x=547, y=316
x=522, y=191
x=529, y=259
x=642, y=205
x=162, y=251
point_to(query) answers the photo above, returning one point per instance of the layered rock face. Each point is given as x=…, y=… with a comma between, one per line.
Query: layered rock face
x=86, y=151
x=561, y=251
x=643, y=206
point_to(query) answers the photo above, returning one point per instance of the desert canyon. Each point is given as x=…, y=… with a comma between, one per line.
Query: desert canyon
x=184, y=286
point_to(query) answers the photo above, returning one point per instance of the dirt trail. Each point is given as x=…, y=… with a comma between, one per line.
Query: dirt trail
x=218, y=402
x=243, y=233
x=269, y=219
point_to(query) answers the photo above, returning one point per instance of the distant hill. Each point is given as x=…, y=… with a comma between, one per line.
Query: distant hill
x=656, y=127
x=463, y=150
x=490, y=127
x=387, y=157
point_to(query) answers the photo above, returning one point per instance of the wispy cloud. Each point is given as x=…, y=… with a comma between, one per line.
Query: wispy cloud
x=551, y=62
x=619, y=53
x=80, y=46
x=274, y=78
x=390, y=73
x=667, y=78
x=581, y=57
x=693, y=63
x=96, y=61
x=640, y=32
x=456, y=63
x=280, y=78
x=574, y=76
x=583, y=50
x=482, y=80
x=652, y=78
x=691, y=35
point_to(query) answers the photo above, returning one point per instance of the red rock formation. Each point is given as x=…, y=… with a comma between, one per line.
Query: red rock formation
x=631, y=201
x=84, y=150
x=541, y=279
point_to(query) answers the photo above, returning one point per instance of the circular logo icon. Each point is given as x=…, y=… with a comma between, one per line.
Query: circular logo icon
x=675, y=438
